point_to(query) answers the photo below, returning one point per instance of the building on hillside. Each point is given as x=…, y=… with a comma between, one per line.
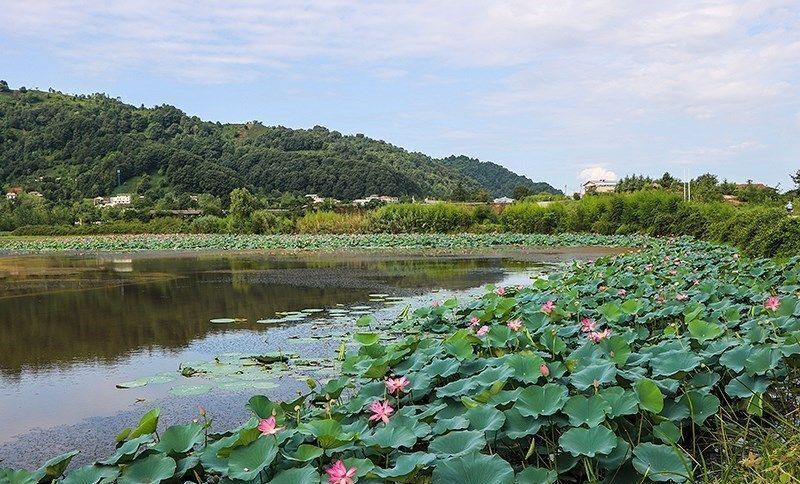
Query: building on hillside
x=123, y=199
x=36, y=194
x=315, y=199
x=503, y=201
x=13, y=192
x=11, y=196
x=382, y=198
x=599, y=186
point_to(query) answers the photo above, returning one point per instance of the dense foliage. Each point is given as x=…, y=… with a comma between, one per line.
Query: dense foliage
x=72, y=147
x=501, y=180
x=622, y=370
x=129, y=243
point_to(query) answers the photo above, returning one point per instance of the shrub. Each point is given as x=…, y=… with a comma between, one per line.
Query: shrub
x=333, y=223
x=422, y=218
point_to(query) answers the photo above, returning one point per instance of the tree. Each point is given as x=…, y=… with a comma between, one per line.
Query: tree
x=4, y=86
x=243, y=204
x=796, y=179
x=520, y=192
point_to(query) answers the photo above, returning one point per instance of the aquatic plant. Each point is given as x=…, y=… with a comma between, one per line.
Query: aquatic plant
x=546, y=402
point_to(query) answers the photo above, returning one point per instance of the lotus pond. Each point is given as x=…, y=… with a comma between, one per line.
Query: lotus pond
x=624, y=370
x=91, y=341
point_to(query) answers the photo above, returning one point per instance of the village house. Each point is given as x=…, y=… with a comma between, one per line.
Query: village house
x=122, y=199
x=382, y=198
x=502, y=201
x=13, y=192
x=315, y=199
x=599, y=186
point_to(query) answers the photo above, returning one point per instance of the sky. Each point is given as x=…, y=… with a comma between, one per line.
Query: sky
x=560, y=91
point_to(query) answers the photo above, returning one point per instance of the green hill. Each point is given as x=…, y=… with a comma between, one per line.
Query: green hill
x=71, y=147
x=499, y=180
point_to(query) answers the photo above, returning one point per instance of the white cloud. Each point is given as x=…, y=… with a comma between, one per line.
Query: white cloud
x=596, y=173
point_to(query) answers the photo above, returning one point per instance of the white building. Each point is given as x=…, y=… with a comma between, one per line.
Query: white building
x=599, y=186
x=121, y=199
x=383, y=198
x=503, y=201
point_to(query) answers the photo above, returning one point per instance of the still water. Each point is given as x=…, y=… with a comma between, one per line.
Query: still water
x=73, y=327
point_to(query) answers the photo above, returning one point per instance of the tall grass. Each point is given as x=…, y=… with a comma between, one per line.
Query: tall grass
x=423, y=218
x=333, y=223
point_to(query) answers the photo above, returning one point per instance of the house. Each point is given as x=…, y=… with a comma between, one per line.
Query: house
x=381, y=198
x=503, y=201
x=11, y=196
x=121, y=199
x=114, y=201
x=36, y=194
x=599, y=186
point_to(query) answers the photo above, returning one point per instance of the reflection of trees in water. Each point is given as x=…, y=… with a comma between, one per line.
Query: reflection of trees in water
x=108, y=324
x=111, y=320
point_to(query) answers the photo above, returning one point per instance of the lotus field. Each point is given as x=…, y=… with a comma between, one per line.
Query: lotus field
x=626, y=369
x=189, y=242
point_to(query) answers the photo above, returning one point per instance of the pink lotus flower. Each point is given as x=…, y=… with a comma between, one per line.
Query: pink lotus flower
x=514, y=325
x=587, y=325
x=682, y=297
x=602, y=288
x=397, y=385
x=696, y=282
x=436, y=304
x=474, y=321
x=735, y=256
x=597, y=337
x=661, y=299
x=520, y=287
x=500, y=291
x=772, y=303
x=548, y=307
x=673, y=272
x=544, y=370
x=622, y=293
x=380, y=411
x=339, y=474
x=267, y=426
x=648, y=268
x=482, y=331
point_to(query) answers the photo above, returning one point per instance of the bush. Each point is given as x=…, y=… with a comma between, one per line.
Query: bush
x=333, y=223
x=422, y=218
x=208, y=224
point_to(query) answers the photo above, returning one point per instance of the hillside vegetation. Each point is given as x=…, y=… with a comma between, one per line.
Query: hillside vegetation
x=71, y=147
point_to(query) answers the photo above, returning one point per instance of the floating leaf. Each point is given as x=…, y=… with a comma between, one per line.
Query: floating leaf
x=589, y=442
x=661, y=462
x=473, y=469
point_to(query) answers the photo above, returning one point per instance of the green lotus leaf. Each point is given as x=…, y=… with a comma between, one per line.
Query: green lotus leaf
x=442, y=368
x=589, y=442
x=536, y=400
x=296, y=476
x=263, y=407
x=617, y=457
x=179, y=439
x=391, y=436
x=305, y=453
x=597, y=373
x=152, y=469
x=405, y=465
x=745, y=386
x=617, y=349
x=611, y=311
x=147, y=425
x=473, y=469
x=673, y=361
x=701, y=405
x=127, y=450
x=649, y=395
x=661, y=463
x=621, y=401
x=246, y=463
x=760, y=360
x=366, y=339
x=485, y=418
x=56, y=466
x=457, y=443
x=20, y=476
x=454, y=423
x=667, y=432
x=703, y=331
x=736, y=357
x=526, y=366
x=552, y=342
x=328, y=432
x=536, y=475
x=91, y=474
x=586, y=411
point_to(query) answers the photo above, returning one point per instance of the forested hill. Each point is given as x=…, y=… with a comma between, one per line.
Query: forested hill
x=498, y=179
x=69, y=147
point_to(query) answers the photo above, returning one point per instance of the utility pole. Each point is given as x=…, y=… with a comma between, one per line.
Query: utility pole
x=119, y=179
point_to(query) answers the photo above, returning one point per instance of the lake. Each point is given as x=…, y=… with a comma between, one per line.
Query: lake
x=75, y=327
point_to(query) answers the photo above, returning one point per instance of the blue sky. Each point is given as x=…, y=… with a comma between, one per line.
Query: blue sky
x=559, y=91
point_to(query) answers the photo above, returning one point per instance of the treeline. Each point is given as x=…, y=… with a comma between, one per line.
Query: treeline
x=708, y=188
x=74, y=147
x=760, y=230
